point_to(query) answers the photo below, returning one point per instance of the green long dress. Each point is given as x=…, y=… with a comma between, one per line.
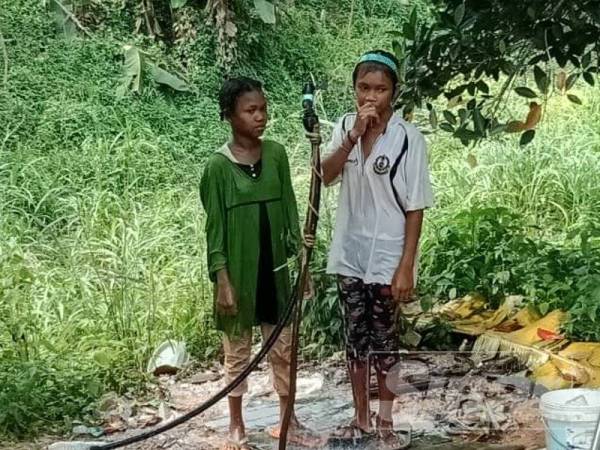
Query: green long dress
x=231, y=199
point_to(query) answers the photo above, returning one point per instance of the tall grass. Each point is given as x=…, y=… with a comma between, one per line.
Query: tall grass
x=552, y=182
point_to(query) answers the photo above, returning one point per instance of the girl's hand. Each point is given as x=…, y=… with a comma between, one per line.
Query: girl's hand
x=226, y=300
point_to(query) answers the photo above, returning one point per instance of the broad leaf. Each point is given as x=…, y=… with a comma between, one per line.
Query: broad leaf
x=515, y=126
x=478, y=121
x=541, y=79
x=483, y=87
x=178, y=3
x=409, y=32
x=450, y=117
x=161, y=76
x=574, y=99
x=525, y=92
x=589, y=78
x=413, y=19
x=433, y=119
x=561, y=80
x=571, y=81
x=507, y=67
x=64, y=24
x=526, y=137
x=534, y=116
x=586, y=60
x=265, y=10
x=132, y=71
x=466, y=135
x=452, y=294
x=398, y=50
x=459, y=14
x=447, y=127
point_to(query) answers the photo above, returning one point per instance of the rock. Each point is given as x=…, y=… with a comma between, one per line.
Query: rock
x=203, y=377
x=307, y=385
x=116, y=424
x=81, y=430
x=164, y=412
x=76, y=445
x=340, y=376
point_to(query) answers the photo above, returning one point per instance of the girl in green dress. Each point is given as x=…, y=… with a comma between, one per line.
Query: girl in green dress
x=252, y=228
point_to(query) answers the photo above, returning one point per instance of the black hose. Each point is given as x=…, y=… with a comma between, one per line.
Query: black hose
x=223, y=392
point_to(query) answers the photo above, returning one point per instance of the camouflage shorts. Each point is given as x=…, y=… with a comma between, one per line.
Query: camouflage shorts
x=369, y=322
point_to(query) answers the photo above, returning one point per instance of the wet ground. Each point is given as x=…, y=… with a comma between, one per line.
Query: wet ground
x=444, y=399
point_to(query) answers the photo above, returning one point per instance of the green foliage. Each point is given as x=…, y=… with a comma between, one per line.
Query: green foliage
x=488, y=251
x=265, y=10
x=478, y=250
x=515, y=222
x=136, y=64
x=584, y=316
x=438, y=336
x=465, y=45
x=36, y=394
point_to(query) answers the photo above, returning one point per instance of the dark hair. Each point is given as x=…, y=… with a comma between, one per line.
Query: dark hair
x=233, y=89
x=374, y=66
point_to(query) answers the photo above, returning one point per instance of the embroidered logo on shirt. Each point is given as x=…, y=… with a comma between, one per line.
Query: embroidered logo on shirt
x=381, y=166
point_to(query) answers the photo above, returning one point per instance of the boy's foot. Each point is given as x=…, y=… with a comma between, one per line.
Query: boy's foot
x=300, y=435
x=350, y=435
x=390, y=439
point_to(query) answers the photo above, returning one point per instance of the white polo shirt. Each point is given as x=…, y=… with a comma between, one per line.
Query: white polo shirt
x=375, y=195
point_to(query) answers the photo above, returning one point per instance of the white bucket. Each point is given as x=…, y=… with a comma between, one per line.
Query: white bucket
x=570, y=417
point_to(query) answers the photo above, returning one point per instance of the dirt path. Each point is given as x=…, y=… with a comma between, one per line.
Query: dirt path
x=452, y=407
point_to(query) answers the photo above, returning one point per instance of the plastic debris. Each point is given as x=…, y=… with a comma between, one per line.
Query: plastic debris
x=168, y=358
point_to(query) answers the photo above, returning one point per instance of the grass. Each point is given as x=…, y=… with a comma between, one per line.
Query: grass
x=548, y=182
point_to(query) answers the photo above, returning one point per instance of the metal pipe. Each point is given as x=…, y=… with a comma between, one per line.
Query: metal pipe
x=596, y=442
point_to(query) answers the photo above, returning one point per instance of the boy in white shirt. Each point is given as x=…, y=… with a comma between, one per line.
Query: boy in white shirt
x=381, y=161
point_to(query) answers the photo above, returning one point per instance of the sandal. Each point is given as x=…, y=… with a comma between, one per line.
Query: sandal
x=350, y=435
x=391, y=439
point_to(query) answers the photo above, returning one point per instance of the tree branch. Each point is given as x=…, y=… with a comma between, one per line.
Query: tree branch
x=74, y=19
